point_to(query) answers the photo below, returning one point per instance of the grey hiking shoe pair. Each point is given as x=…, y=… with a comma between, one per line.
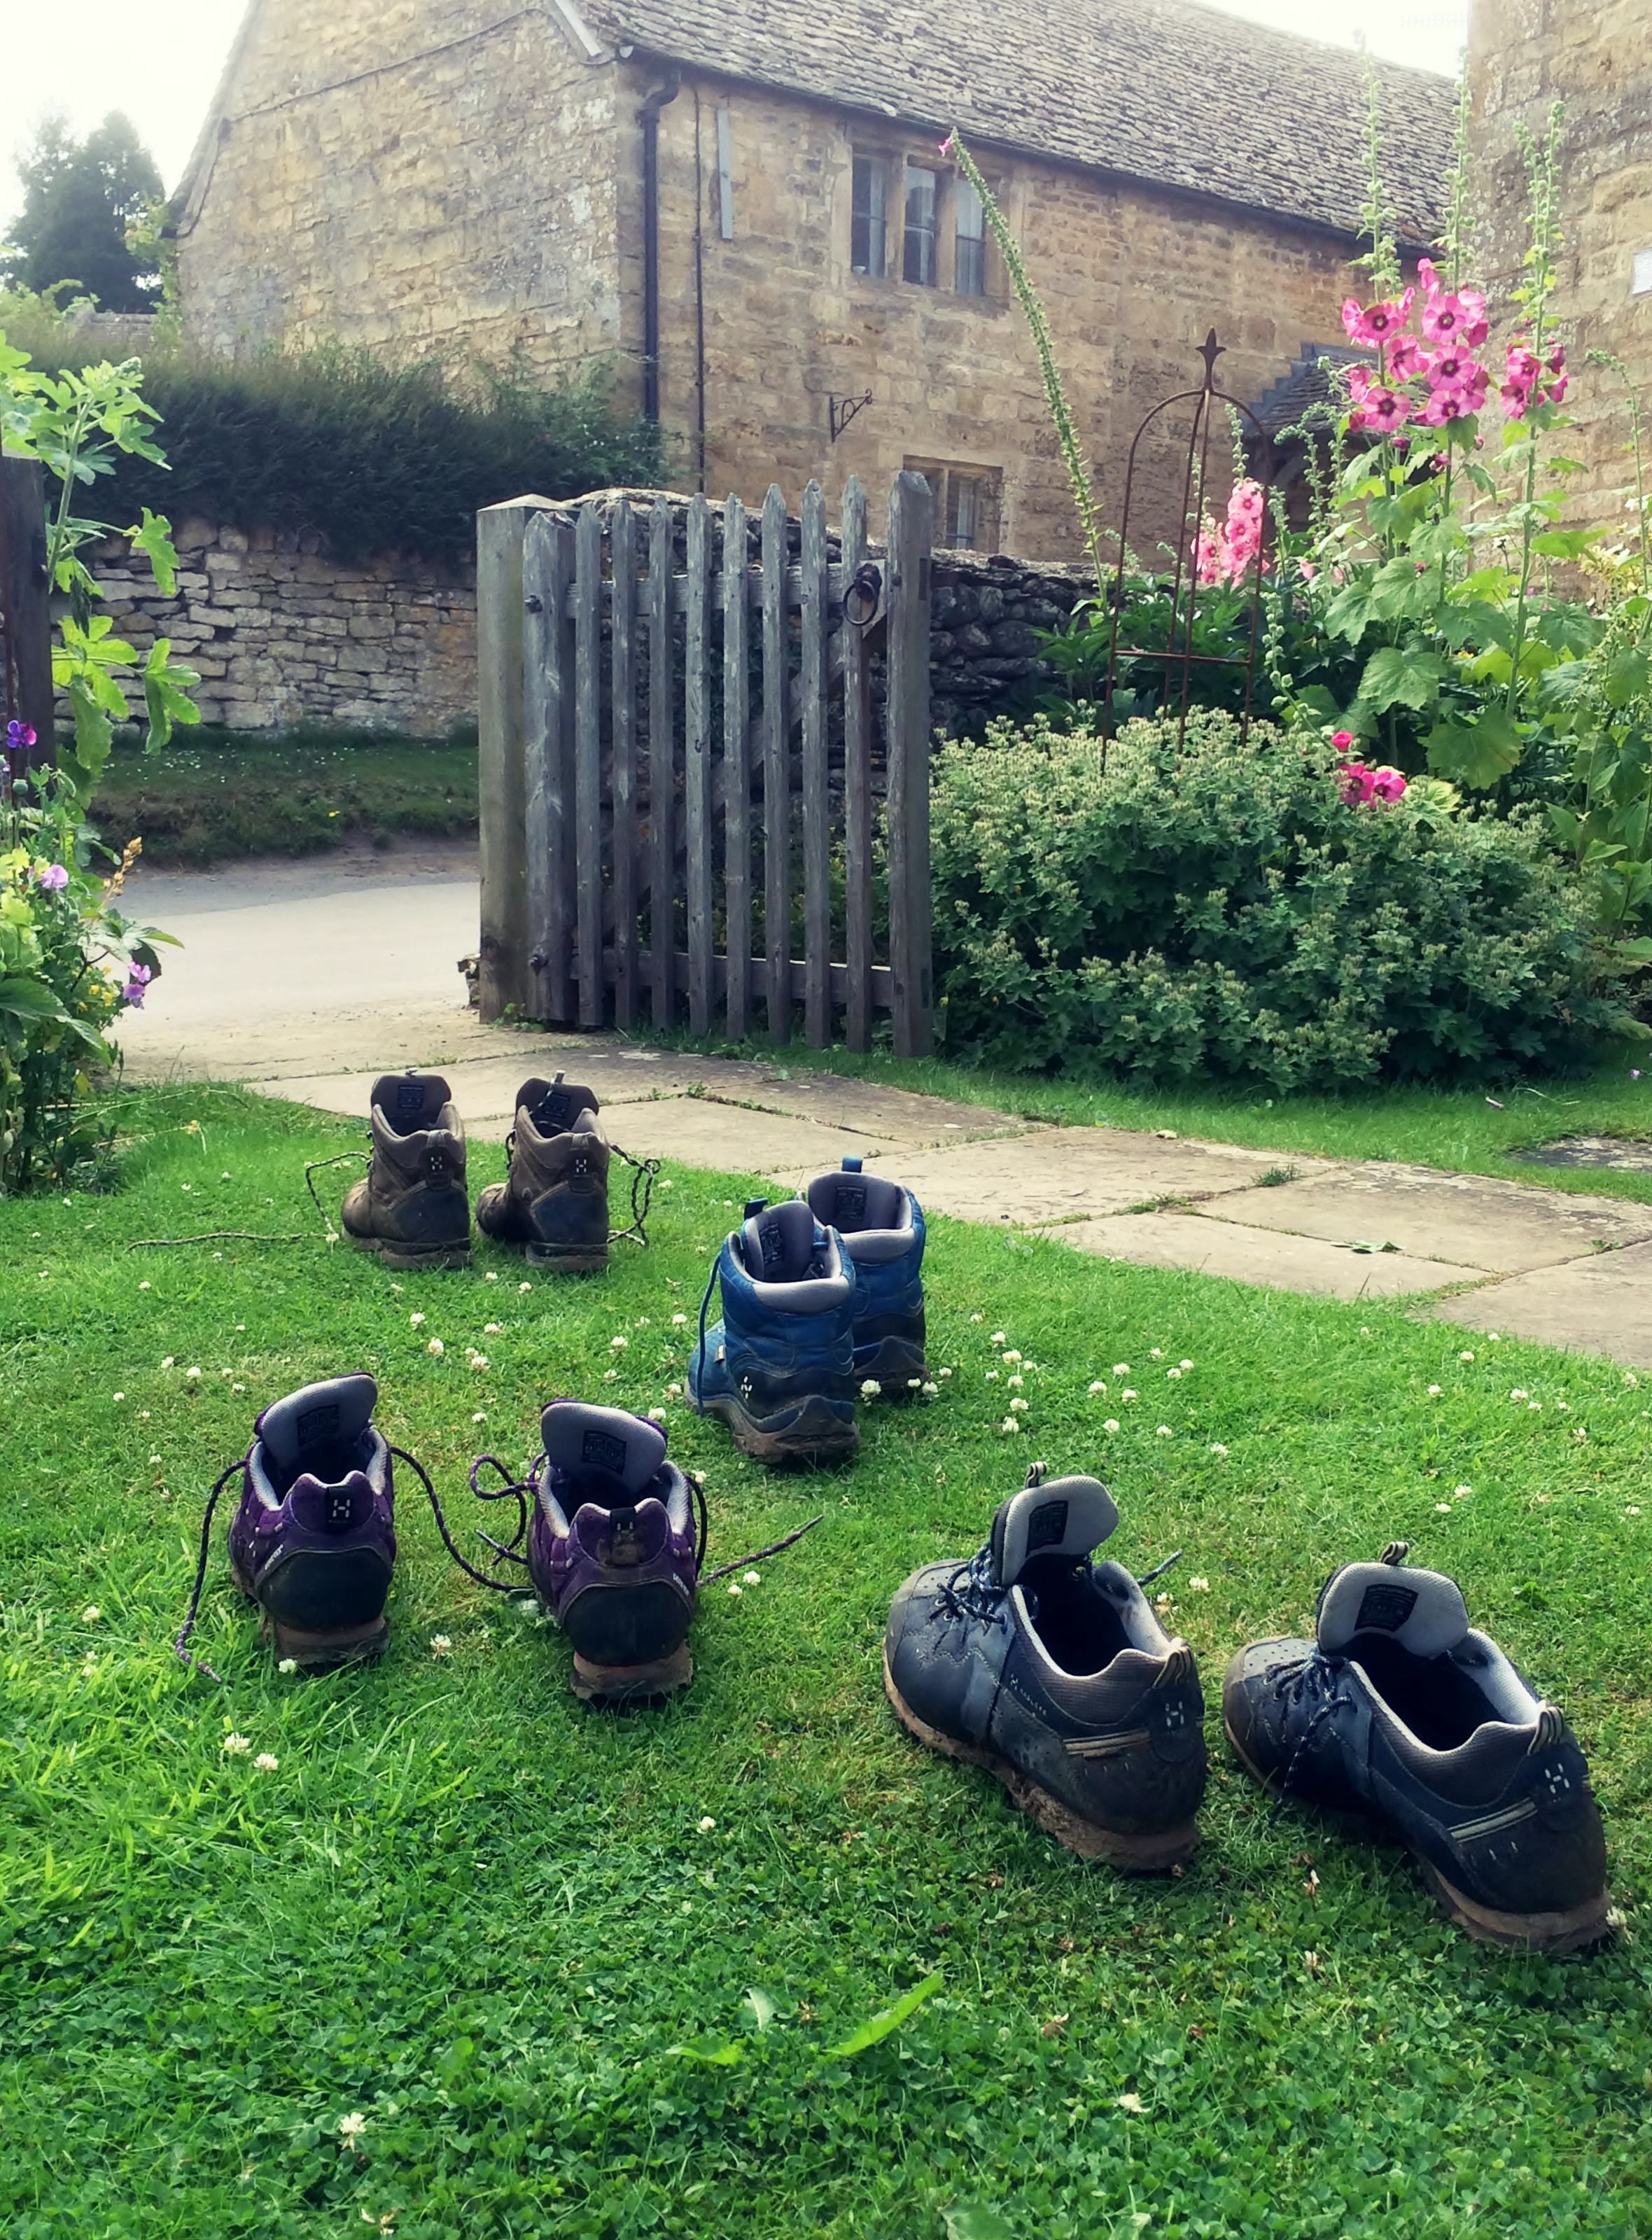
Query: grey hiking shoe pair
x=411, y=1207
x=1051, y=1669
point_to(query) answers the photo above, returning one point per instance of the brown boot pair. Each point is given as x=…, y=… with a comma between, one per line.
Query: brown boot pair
x=411, y=1206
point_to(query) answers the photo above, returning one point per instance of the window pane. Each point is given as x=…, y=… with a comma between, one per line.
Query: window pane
x=970, y=270
x=918, y=264
x=963, y=506
x=867, y=228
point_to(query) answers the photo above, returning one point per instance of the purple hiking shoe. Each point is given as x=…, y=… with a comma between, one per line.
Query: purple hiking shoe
x=613, y=1550
x=313, y=1539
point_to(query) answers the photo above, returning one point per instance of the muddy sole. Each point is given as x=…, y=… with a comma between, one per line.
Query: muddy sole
x=1568, y=1931
x=566, y=1263
x=412, y=1258
x=810, y=1437
x=1141, y=1854
x=631, y=1683
x=339, y=1645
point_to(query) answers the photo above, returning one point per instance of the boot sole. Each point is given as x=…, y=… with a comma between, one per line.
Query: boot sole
x=1140, y=1855
x=814, y=1434
x=339, y=1645
x=896, y=1365
x=394, y=1255
x=566, y=1263
x=1568, y=1931
x=630, y=1684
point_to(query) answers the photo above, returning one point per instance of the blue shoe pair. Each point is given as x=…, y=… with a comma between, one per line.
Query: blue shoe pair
x=822, y=1295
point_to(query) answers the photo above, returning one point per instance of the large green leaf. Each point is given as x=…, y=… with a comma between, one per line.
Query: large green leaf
x=881, y=2025
x=29, y=999
x=1406, y=676
x=1476, y=754
x=1564, y=544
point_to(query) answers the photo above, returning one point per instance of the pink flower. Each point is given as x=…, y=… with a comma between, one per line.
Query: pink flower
x=1405, y=357
x=1380, y=408
x=1445, y=404
x=139, y=976
x=1307, y=571
x=1377, y=322
x=1387, y=784
x=1357, y=784
x=1451, y=367
x=1343, y=741
x=54, y=877
x=1459, y=318
x=1245, y=504
x=1557, y=367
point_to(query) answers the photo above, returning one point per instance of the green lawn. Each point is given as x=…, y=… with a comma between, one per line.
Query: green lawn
x=491, y=1924
x=213, y=796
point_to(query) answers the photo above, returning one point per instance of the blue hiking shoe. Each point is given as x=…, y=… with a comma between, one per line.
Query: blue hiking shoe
x=779, y=1368
x=1397, y=1708
x=882, y=1226
x=1051, y=1671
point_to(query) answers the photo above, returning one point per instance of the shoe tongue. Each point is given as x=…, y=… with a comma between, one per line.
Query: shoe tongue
x=1422, y=1611
x=318, y=1420
x=553, y=1106
x=411, y=1100
x=1064, y=1516
x=604, y=1450
x=781, y=1243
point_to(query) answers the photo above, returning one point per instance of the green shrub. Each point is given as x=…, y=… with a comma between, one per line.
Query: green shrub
x=1218, y=913
x=375, y=457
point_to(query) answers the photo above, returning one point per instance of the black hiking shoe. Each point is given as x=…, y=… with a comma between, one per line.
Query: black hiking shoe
x=1052, y=1672
x=411, y=1207
x=1397, y=1708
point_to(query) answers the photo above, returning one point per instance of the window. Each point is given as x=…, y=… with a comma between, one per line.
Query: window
x=867, y=224
x=969, y=267
x=968, y=500
x=918, y=260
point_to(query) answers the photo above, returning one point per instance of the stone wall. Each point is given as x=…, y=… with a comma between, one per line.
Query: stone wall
x=985, y=615
x=1595, y=56
x=282, y=634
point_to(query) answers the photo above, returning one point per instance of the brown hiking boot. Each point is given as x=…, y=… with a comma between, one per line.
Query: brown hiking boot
x=555, y=1199
x=411, y=1207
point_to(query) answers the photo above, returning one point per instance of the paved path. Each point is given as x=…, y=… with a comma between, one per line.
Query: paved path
x=309, y=978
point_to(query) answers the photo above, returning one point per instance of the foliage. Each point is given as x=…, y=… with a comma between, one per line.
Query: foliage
x=373, y=456
x=83, y=200
x=466, y=1911
x=1224, y=913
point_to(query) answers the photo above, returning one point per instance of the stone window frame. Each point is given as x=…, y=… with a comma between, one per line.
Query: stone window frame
x=961, y=488
x=877, y=197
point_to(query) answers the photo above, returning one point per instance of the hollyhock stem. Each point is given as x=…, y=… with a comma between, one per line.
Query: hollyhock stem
x=1541, y=170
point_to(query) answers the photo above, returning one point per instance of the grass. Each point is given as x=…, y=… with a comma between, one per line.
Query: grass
x=492, y=1924
x=213, y=796
x=1462, y=1131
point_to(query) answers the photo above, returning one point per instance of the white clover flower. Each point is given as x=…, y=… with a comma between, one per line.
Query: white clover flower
x=1163, y=1603
x=1173, y=1374
x=491, y=1277
x=1130, y=2101
x=1198, y=1586
x=1434, y=1391
x=977, y=1318
x=117, y=1395
x=416, y=1320
x=1442, y=1508
x=677, y=1321
x=226, y=1373
x=1580, y=1434
x=155, y=1462
x=641, y=1321
x=1465, y=1357
x=266, y=1761
x=1015, y=1382
x=1629, y=1378
x=525, y=1287
x=1164, y=1432
x=1120, y=1368
x=440, y=1645
x=997, y=1339
x=1018, y=1407
x=1463, y=1489
x=350, y=2129
x=435, y=1347
x=733, y=1589
x=1111, y=1424
x=478, y=1361
x=752, y=1578
x=1519, y=1392
x=146, y=1287
x=992, y=1377
x=1534, y=1407
x=1127, y=1394
x=1010, y=1358
x=1184, y=1364
x=91, y=1614
x=1158, y=1355
x=1010, y=1423
x=870, y=1388
x=931, y=1392
x=493, y=1330
x=673, y=1391
x=192, y=1375
x=397, y=1289
x=1097, y=1387
x=666, y=1183
x=914, y=1383
x=1219, y=1449
x=1564, y=1407
x=1631, y=1512
x=236, y=1745
x=609, y=1376
x=946, y=1372
x=238, y=1388
x=618, y=1344
x=167, y=1363
x=288, y=1664
x=1363, y=1331
x=707, y=1824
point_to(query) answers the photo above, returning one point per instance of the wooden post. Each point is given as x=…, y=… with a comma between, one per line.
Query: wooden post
x=776, y=775
x=588, y=760
x=661, y=774
x=817, y=893
x=911, y=511
x=857, y=788
x=506, y=978
x=737, y=776
x=548, y=701
x=623, y=570
x=696, y=763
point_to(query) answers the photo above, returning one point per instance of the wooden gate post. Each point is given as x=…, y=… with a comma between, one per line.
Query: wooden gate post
x=25, y=615
x=505, y=974
x=911, y=538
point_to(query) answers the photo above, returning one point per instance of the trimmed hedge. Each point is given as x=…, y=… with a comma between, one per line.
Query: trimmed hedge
x=375, y=458
x=1218, y=914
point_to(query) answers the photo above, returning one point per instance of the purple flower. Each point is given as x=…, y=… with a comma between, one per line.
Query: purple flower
x=54, y=876
x=138, y=980
x=19, y=736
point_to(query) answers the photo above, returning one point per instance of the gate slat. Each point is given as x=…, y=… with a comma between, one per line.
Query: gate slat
x=776, y=777
x=661, y=815
x=547, y=572
x=858, y=787
x=817, y=898
x=697, y=765
x=588, y=760
x=736, y=778
x=911, y=513
x=623, y=534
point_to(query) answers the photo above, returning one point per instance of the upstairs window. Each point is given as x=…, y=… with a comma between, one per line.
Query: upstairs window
x=970, y=228
x=868, y=225
x=918, y=260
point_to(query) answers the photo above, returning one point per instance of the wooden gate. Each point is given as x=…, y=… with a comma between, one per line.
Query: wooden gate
x=681, y=766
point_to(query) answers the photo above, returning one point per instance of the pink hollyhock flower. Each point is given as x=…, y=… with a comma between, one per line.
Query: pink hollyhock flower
x=1459, y=318
x=1427, y=274
x=1445, y=404
x=1357, y=784
x=1381, y=409
x=1557, y=367
x=1307, y=571
x=1245, y=504
x=1451, y=367
x=1377, y=322
x=1387, y=784
x=1406, y=357
x=1343, y=741
x=1208, y=555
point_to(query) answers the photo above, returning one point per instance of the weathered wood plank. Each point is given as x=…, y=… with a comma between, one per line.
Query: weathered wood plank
x=736, y=773
x=911, y=511
x=817, y=897
x=548, y=687
x=791, y=579
x=588, y=760
x=857, y=786
x=776, y=775
x=882, y=978
x=25, y=608
x=661, y=777
x=622, y=536
x=697, y=762
x=505, y=935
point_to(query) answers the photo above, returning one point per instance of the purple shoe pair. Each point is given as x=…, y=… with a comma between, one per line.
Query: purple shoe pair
x=612, y=1550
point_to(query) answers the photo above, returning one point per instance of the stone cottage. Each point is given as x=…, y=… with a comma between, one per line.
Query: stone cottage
x=745, y=211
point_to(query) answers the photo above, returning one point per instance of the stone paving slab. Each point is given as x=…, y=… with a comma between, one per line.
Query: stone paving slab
x=1211, y=1247
x=1603, y=1304
x=1505, y=1227
x=702, y=1134
x=1037, y=1178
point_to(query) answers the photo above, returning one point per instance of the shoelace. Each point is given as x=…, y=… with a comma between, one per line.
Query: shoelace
x=969, y=1593
x=1316, y=1676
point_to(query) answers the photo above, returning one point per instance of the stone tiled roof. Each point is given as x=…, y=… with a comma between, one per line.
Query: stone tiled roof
x=1310, y=394
x=1165, y=91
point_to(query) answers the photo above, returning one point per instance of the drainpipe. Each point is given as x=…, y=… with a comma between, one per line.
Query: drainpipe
x=648, y=117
